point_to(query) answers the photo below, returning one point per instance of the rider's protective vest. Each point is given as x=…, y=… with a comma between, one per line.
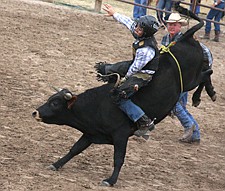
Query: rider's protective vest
x=153, y=64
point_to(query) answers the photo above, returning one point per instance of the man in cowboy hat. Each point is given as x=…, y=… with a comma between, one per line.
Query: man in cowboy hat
x=174, y=24
x=191, y=128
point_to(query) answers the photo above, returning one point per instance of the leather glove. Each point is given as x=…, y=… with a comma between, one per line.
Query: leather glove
x=122, y=80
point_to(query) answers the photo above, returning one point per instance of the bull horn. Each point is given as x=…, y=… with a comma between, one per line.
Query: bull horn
x=56, y=89
x=68, y=96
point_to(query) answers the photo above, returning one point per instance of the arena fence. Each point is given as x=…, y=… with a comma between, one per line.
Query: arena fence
x=98, y=4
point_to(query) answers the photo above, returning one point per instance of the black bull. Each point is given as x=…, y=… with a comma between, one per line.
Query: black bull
x=101, y=122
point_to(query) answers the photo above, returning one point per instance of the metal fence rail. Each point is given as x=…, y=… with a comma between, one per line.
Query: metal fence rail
x=194, y=4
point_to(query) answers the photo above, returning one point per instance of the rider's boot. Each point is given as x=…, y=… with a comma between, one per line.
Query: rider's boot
x=144, y=125
x=136, y=114
x=217, y=35
x=206, y=36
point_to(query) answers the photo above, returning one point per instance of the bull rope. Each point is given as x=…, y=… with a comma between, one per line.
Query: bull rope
x=107, y=75
x=167, y=49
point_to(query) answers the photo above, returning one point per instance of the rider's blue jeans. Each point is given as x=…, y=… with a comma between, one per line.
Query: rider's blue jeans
x=133, y=111
x=185, y=118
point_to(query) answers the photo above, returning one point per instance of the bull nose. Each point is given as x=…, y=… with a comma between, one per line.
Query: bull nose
x=34, y=114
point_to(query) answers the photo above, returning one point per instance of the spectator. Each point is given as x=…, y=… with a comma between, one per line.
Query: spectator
x=217, y=15
x=163, y=4
x=139, y=11
x=197, y=8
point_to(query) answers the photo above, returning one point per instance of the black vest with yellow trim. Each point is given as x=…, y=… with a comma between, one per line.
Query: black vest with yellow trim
x=153, y=64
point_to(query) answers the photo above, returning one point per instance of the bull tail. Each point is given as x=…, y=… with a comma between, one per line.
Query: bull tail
x=190, y=14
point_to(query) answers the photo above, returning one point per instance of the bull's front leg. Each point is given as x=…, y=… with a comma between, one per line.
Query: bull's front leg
x=120, y=146
x=77, y=148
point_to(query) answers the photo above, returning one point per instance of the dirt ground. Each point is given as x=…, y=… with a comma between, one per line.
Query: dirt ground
x=42, y=44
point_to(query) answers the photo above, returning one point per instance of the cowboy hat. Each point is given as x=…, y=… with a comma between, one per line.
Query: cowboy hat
x=175, y=17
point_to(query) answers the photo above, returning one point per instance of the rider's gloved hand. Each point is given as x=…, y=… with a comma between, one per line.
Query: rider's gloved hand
x=122, y=80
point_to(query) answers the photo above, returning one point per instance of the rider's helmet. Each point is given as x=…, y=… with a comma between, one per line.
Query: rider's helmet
x=149, y=24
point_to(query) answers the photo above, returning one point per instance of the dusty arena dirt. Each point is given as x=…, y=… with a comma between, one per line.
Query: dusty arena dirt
x=43, y=44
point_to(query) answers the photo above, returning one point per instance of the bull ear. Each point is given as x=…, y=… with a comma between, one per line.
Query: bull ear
x=68, y=96
x=71, y=101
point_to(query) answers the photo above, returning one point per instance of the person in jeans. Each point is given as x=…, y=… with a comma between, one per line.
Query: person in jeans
x=163, y=4
x=140, y=70
x=217, y=15
x=139, y=11
x=191, y=127
x=197, y=8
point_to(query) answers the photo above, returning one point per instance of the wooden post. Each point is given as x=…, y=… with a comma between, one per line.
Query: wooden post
x=193, y=6
x=98, y=4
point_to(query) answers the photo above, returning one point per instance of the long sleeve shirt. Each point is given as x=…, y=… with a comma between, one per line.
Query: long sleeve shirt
x=143, y=55
x=166, y=40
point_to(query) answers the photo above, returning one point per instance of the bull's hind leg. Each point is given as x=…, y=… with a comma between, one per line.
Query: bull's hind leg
x=210, y=90
x=196, y=100
x=77, y=148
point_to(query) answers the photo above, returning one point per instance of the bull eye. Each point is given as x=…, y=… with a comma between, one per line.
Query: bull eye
x=54, y=104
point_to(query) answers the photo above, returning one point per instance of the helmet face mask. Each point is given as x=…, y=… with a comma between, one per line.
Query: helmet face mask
x=138, y=31
x=149, y=25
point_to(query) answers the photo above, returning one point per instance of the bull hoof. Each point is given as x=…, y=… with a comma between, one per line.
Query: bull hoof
x=196, y=103
x=51, y=167
x=105, y=183
x=213, y=98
